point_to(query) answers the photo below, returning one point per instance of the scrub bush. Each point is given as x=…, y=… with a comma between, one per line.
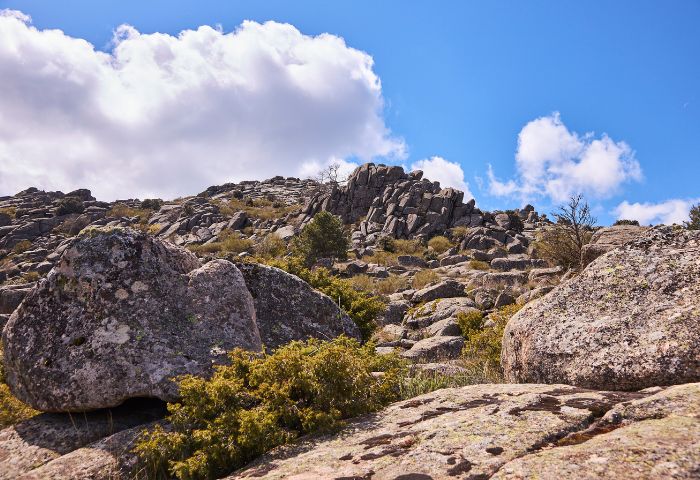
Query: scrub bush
x=261, y=401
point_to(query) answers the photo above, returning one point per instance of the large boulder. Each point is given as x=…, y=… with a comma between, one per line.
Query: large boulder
x=608, y=238
x=630, y=320
x=119, y=317
x=288, y=308
x=497, y=431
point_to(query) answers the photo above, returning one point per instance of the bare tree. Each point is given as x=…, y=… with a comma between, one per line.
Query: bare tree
x=330, y=174
x=562, y=243
x=576, y=217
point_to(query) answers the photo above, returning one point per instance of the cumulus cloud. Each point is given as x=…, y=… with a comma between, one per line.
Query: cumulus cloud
x=163, y=115
x=553, y=161
x=668, y=212
x=449, y=174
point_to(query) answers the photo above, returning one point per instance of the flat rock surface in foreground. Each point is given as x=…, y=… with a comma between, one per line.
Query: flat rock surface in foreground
x=470, y=432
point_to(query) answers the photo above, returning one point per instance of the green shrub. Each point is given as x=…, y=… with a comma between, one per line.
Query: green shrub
x=424, y=278
x=482, y=347
x=322, y=237
x=694, y=223
x=259, y=402
x=272, y=246
x=386, y=243
x=464, y=374
x=70, y=205
x=22, y=246
x=362, y=307
x=152, y=204
x=478, y=265
x=626, y=222
x=470, y=322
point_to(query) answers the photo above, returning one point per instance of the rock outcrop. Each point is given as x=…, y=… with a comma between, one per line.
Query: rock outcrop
x=630, y=320
x=386, y=201
x=608, y=238
x=119, y=317
x=287, y=308
x=505, y=431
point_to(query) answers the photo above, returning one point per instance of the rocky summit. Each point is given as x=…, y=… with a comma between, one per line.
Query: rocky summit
x=463, y=343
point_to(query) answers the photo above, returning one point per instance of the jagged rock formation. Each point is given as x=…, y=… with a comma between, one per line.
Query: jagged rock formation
x=386, y=201
x=119, y=317
x=630, y=320
x=505, y=431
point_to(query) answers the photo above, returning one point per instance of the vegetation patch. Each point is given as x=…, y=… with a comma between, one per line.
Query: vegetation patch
x=322, y=237
x=479, y=265
x=259, y=402
x=482, y=348
x=12, y=411
x=424, y=278
x=228, y=242
x=22, y=247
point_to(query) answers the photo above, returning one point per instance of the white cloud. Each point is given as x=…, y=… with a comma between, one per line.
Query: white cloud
x=449, y=174
x=668, y=212
x=169, y=115
x=553, y=161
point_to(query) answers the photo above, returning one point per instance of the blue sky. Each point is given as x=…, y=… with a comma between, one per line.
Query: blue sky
x=461, y=80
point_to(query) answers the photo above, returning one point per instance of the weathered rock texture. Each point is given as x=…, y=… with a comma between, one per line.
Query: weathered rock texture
x=478, y=432
x=287, y=308
x=630, y=320
x=483, y=430
x=38, y=441
x=119, y=317
x=608, y=238
x=653, y=437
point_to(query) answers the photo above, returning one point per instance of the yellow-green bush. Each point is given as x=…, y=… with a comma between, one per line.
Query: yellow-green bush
x=483, y=345
x=361, y=306
x=479, y=265
x=21, y=246
x=408, y=247
x=384, y=286
x=123, y=210
x=440, y=244
x=272, y=246
x=424, y=278
x=259, y=208
x=470, y=322
x=11, y=409
x=259, y=402
x=11, y=211
x=227, y=242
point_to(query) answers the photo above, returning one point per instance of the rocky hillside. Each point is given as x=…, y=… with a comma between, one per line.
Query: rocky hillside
x=105, y=306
